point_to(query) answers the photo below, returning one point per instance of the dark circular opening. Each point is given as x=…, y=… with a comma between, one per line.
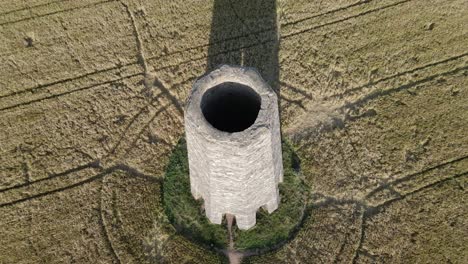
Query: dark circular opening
x=231, y=107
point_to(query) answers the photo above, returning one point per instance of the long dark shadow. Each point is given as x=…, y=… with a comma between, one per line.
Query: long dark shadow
x=245, y=33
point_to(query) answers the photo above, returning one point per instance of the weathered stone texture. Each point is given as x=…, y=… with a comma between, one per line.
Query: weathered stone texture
x=235, y=173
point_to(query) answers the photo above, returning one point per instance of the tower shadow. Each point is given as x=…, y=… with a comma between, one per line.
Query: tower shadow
x=245, y=33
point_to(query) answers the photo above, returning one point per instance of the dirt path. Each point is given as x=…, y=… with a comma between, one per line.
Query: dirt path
x=235, y=257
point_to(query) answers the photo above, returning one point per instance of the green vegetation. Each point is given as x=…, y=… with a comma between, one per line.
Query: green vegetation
x=187, y=216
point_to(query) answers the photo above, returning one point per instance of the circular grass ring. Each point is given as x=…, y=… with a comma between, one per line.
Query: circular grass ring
x=271, y=230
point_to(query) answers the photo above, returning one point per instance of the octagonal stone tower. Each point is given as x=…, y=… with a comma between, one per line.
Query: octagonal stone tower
x=234, y=144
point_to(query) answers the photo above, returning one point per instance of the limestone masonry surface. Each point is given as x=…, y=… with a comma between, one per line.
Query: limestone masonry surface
x=234, y=144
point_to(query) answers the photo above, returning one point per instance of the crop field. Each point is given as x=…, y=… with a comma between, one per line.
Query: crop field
x=373, y=97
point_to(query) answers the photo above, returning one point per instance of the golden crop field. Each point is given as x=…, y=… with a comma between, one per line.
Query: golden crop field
x=373, y=96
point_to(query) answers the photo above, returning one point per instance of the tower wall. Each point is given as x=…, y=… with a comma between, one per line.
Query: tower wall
x=234, y=172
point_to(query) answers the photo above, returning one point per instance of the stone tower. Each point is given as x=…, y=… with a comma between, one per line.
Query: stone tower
x=234, y=144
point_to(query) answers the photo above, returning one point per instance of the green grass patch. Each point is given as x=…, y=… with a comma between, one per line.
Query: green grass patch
x=186, y=214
